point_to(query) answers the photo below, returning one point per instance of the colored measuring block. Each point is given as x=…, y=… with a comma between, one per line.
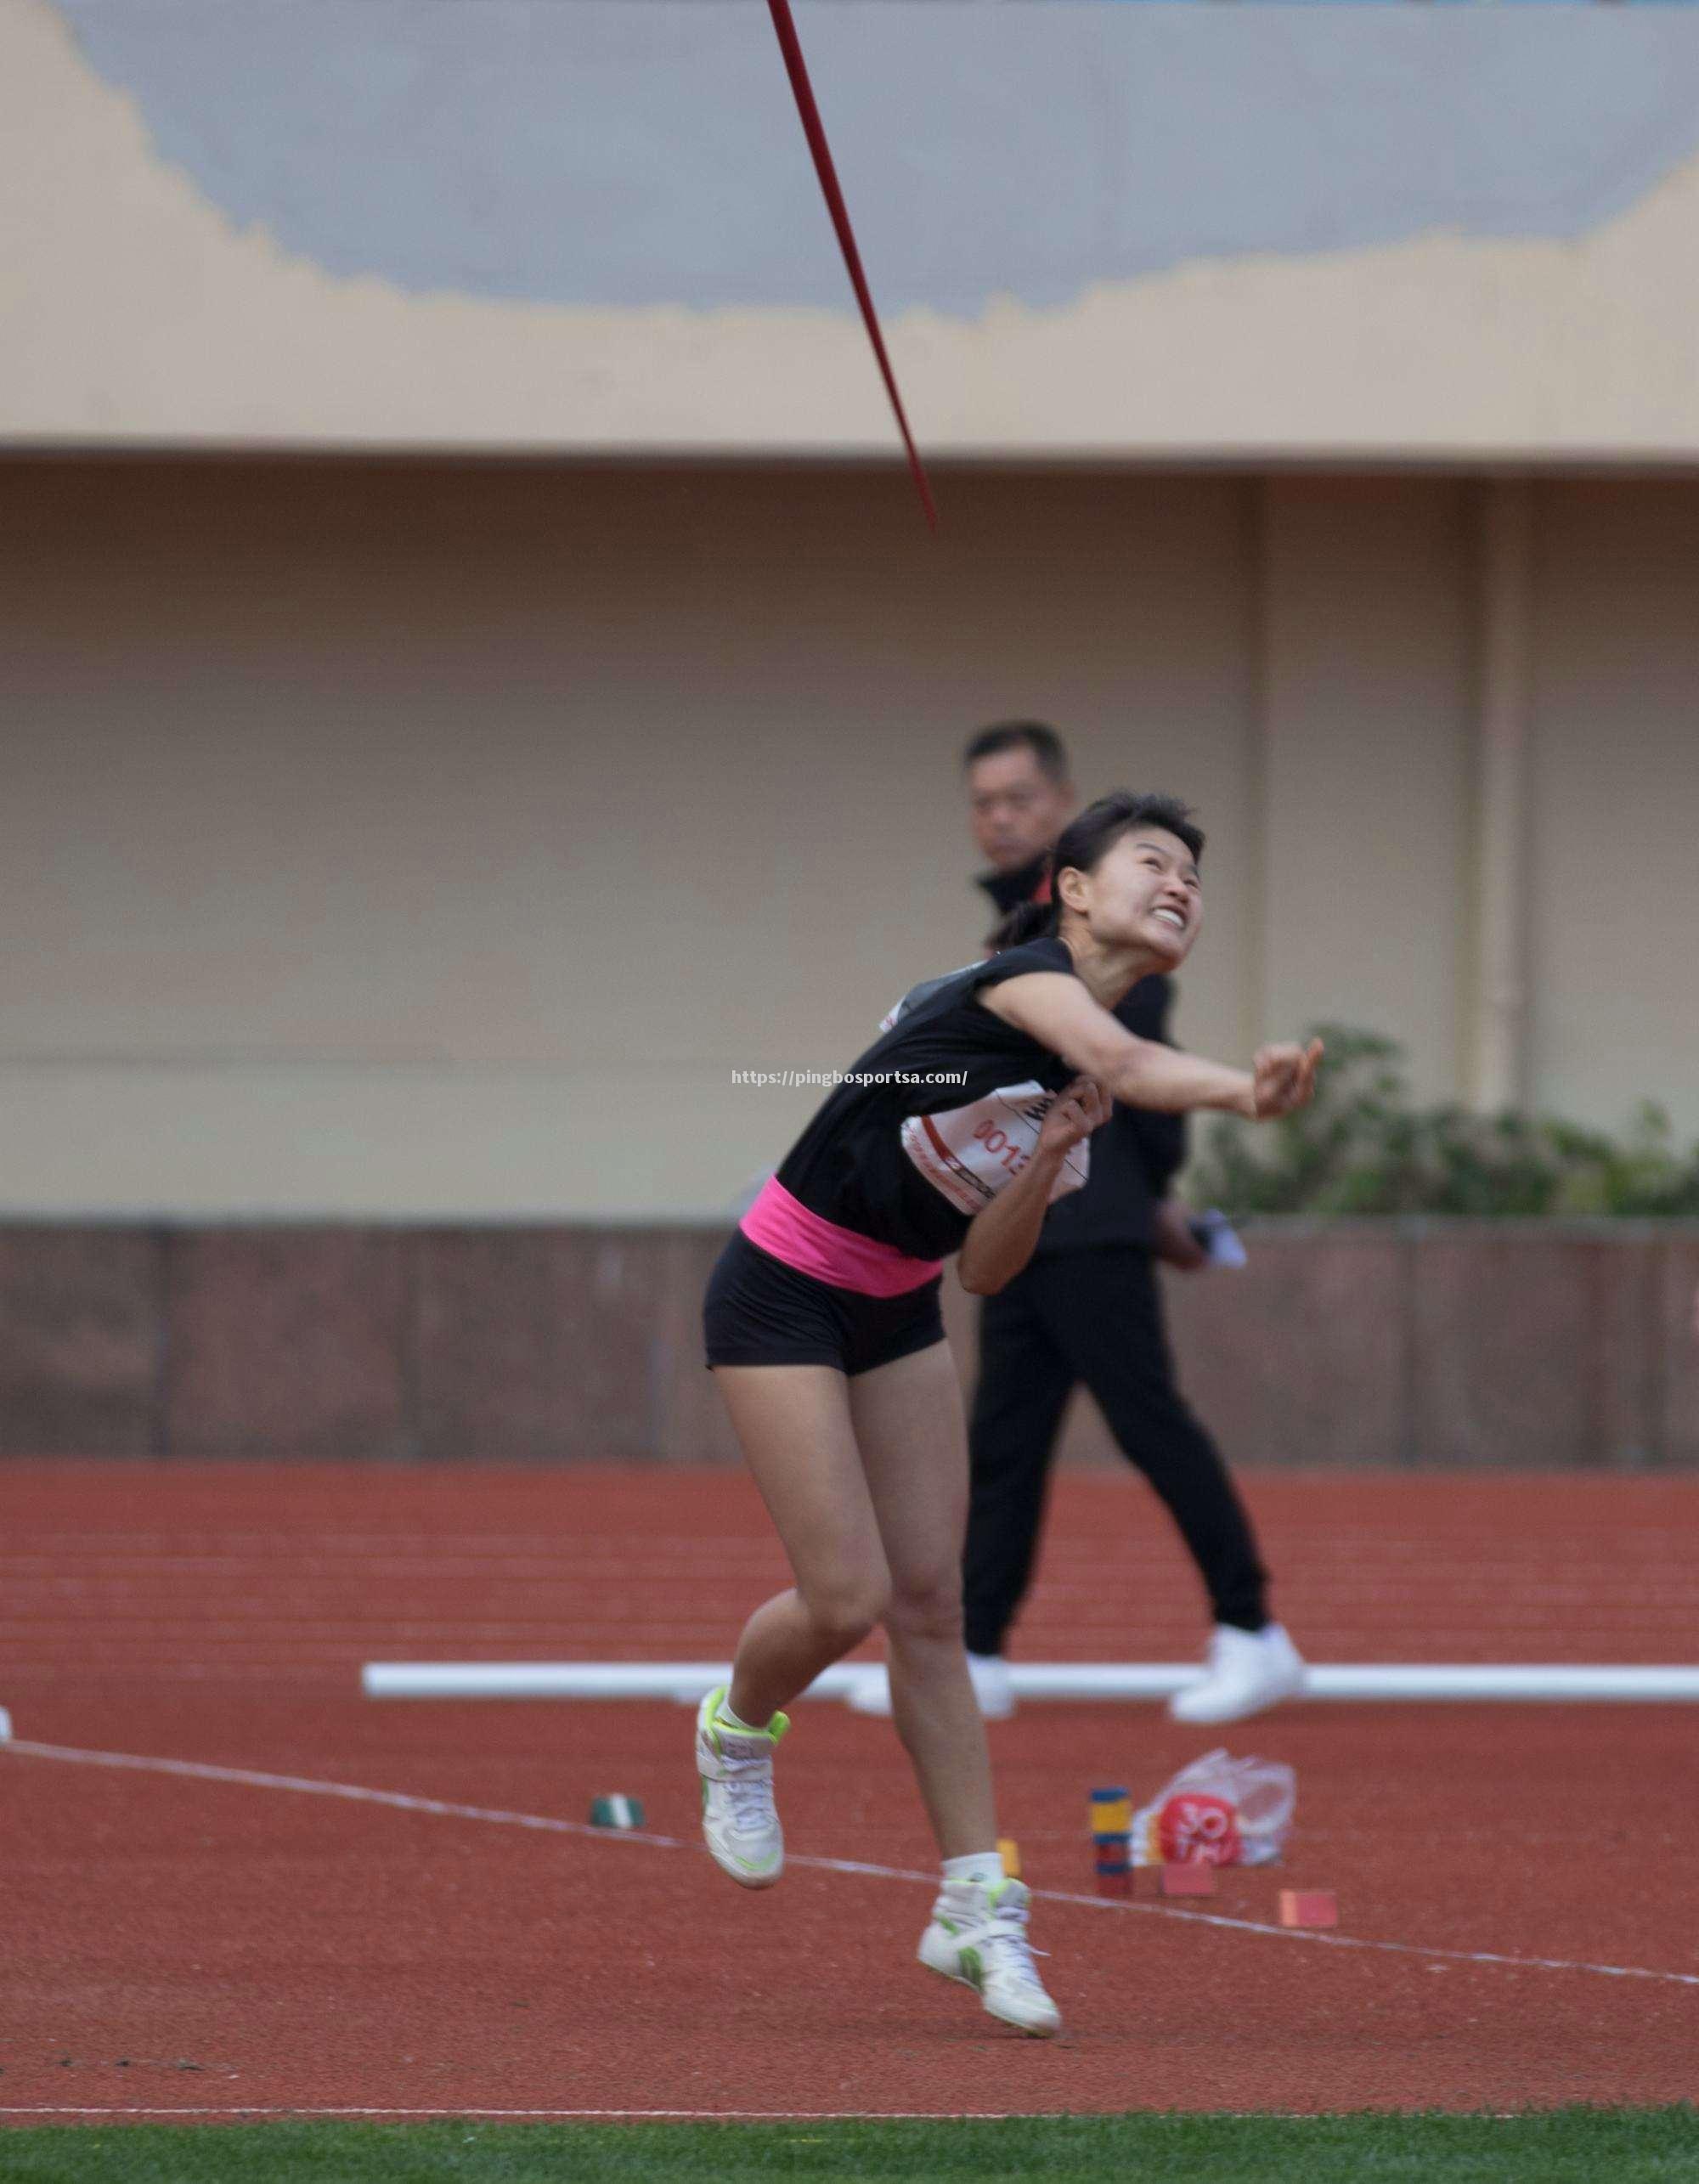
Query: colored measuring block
x=1188, y=1880
x=616, y=1812
x=1308, y=1907
x=1111, y=1812
x=1009, y=1851
x=1114, y=1880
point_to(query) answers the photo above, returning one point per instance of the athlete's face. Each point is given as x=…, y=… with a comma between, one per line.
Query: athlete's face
x=1014, y=808
x=1145, y=892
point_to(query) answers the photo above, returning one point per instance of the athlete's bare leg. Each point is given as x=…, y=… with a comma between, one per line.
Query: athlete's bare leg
x=794, y=1423
x=913, y=1442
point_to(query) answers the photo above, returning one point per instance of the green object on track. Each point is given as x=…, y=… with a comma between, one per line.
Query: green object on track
x=616, y=1812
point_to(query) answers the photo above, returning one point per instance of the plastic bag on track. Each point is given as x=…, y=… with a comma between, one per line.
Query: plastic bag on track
x=1218, y=1811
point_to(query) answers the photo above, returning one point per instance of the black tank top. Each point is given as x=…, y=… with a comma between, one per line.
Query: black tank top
x=937, y=1116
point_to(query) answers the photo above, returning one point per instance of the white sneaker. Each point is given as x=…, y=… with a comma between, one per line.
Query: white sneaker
x=872, y=1693
x=993, y=1687
x=1248, y=1670
x=740, y=1823
x=978, y=1935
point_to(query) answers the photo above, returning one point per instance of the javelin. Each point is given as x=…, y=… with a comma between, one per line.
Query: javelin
x=791, y=47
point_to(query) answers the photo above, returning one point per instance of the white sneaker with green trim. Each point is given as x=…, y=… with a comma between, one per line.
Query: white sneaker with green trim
x=740, y=1823
x=978, y=1935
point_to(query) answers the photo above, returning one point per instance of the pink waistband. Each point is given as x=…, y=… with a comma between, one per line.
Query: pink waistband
x=783, y=1225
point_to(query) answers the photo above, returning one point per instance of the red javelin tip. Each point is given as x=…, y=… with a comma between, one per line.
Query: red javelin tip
x=813, y=129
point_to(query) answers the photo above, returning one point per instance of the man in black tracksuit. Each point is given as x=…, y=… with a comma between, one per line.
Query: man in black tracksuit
x=1088, y=1308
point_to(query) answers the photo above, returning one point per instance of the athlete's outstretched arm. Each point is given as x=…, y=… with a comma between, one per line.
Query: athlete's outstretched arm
x=1001, y=1239
x=1058, y=1012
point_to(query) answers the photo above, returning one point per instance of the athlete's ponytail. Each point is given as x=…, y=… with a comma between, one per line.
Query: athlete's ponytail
x=1083, y=846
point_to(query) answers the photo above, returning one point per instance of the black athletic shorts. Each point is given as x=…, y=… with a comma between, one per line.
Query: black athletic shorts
x=760, y=1312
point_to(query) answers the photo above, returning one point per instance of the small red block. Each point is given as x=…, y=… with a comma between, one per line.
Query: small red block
x=1188, y=1880
x=1117, y=1881
x=1308, y=1907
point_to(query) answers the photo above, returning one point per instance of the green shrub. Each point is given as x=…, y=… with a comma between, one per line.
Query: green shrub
x=1362, y=1147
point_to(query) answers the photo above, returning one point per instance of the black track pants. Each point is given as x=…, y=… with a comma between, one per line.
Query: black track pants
x=1093, y=1315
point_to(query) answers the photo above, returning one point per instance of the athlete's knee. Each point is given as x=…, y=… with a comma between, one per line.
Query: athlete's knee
x=927, y=1606
x=847, y=1606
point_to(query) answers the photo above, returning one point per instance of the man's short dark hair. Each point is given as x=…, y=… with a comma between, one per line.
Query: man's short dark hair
x=1035, y=736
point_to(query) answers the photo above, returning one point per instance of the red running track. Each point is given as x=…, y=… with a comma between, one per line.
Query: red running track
x=1517, y=1885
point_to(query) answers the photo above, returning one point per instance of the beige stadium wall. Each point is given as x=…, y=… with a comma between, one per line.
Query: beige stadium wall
x=1364, y=850
x=1614, y=801
x=425, y=839
x=592, y=227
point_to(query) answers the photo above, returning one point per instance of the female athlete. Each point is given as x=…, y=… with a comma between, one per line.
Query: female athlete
x=952, y=1132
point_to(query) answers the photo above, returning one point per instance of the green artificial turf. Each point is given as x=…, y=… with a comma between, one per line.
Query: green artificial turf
x=1560, y=2145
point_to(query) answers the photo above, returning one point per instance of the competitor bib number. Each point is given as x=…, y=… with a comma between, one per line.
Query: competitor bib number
x=970, y=1153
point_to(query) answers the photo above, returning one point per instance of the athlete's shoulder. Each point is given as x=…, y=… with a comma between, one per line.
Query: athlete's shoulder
x=933, y=996
x=929, y=990
x=1049, y=954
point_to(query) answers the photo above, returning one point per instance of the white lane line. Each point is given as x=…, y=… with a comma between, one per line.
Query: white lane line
x=353, y=1547
x=610, y=2115
x=548, y=1824
x=709, y=2115
x=345, y=1630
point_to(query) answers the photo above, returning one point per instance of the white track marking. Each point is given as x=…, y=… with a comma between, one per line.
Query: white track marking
x=1373, y=1682
x=700, y=2115
x=615, y=2115
x=401, y=1800
x=355, y=1546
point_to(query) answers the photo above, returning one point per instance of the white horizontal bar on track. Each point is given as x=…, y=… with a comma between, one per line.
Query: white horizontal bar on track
x=686, y=1681
x=570, y=1679
x=1612, y=1683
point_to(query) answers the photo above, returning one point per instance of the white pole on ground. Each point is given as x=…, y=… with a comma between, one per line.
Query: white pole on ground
x=687, y=1681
